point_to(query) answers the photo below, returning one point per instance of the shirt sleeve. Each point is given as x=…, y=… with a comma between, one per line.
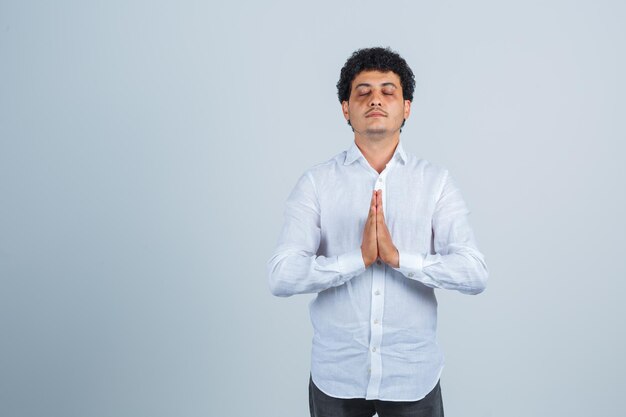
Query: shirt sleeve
x=294, y=267
x=457, y=264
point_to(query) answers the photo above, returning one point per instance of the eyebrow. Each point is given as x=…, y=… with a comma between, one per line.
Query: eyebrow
x=369, y=85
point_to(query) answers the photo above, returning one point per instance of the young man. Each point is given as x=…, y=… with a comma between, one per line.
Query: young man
x=373, y=231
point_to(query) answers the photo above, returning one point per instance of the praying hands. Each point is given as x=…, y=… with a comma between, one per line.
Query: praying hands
x=377, y=241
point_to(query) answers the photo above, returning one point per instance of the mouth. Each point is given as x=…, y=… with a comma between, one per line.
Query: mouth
x=375, y=114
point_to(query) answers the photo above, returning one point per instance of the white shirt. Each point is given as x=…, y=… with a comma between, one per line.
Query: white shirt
x=375, y=328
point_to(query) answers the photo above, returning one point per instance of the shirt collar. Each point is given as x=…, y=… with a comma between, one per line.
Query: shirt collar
x=353, y=153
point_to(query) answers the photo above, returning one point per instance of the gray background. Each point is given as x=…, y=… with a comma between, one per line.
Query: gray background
x=147, y=149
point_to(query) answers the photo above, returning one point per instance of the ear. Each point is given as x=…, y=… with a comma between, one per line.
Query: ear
x=344, y=109
x=407, y=109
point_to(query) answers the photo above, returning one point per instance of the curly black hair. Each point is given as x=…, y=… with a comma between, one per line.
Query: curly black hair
x=377, y=58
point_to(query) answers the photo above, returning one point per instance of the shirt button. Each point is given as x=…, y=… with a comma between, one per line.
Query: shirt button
x=369, y=369
x=377, y=292
x=375, y=321
x=378, y=262
x=411, y=274
x=380, y=180
x=373, y=349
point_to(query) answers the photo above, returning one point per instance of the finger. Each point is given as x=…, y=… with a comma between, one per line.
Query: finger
x=377, y=199
x=380, y=218
x=379, y=206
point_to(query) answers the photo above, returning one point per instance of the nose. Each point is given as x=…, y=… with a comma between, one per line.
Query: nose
x=375, y=101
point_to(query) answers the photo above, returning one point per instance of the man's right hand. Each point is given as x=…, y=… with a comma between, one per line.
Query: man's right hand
x=369, y=247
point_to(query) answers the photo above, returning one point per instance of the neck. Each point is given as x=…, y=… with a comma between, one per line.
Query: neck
x=377, y=152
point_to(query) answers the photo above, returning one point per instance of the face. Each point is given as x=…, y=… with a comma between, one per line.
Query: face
x=376, y=107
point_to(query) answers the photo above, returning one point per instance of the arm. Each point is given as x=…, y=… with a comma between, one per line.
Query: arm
x=457, y=264
x=294, y=267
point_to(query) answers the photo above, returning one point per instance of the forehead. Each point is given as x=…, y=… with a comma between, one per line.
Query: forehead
x=375, y=77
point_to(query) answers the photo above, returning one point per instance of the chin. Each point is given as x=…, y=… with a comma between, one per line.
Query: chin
x=376, y=132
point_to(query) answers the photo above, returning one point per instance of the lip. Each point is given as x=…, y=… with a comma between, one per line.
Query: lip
x=375, y=114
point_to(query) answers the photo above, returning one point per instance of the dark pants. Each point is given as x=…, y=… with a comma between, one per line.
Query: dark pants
x=322, y=405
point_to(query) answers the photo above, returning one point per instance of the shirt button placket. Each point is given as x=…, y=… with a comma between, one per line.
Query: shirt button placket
x=377, y=307
x=376, y=328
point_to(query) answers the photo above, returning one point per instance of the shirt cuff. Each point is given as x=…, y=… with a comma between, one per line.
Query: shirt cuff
x=351, y=263
x=410, y=264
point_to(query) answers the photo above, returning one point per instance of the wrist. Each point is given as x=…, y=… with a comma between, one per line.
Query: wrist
x=392, y=259
x=395, y=262
x=367, y=260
